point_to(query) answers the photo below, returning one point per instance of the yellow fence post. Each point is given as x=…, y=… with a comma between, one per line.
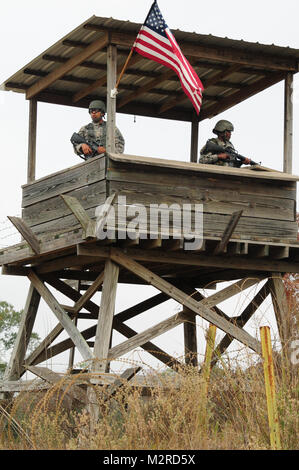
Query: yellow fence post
x=206, y=369
x=270, y=388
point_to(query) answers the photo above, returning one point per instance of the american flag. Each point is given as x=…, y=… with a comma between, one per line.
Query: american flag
x=155, y=41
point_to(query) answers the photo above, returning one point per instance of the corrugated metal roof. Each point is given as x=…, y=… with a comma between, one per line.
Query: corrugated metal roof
x=231, y=71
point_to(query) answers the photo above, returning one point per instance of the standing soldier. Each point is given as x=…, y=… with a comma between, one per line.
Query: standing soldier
x=223, y=130
x=95, y=132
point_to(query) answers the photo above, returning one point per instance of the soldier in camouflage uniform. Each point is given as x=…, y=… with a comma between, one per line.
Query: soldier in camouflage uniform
x=223, y=130
x=96, y=131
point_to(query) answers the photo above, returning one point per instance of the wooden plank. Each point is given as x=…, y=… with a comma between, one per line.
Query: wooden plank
x=63, y=181
x=61, y=315
x=46, y=210
x=106, y=313
x=153, y=220
x=182, y=298
x=198, y=259
x=288, y=124
x=73, y=62
x=229, y=229
x=77, y=209
x=26, y=232
x=202, y=188
x=103, y=212
x=14, y=368
x=149, y=334
x=31, y=163
x=53, y=378
x=202, y=168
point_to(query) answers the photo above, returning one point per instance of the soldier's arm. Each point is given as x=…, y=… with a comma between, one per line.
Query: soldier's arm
x=208, y=158
x=78, y=147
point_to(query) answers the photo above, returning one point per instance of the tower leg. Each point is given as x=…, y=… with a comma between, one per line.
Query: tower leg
x=190, y=340
x=14, y=368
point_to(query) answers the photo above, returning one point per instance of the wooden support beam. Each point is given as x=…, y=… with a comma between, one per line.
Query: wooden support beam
x=147, y=335
x=26, y=233
x=106, y=313
x=288, y=124
x=190, y=341
x=14, y=368
x=61, y=315
x=281, y=310
x=197, y=259
x=146, y=88
x=205, y=312
x=80, y=213
x=73, y=62
x=117, y=324
x=228, y=232
x=53, y=378
x=31, y=164
x=88, y=294
x=102, y=81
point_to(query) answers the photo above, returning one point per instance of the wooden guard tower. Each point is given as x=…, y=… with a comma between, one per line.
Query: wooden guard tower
x=249, y=214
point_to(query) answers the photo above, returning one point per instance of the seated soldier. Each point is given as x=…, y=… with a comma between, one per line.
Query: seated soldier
x=95, y=132
x=223, y=130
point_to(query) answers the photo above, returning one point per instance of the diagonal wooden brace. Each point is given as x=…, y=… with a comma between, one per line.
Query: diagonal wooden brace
x=211, y=316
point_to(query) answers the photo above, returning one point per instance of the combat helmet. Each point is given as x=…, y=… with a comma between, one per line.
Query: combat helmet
x=97, y=104
x=222, y=126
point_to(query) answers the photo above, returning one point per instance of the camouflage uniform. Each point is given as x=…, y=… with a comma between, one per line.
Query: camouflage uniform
x=97, y=132
x=213, y=158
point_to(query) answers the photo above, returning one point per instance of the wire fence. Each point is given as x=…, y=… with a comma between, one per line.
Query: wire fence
x=9, y=235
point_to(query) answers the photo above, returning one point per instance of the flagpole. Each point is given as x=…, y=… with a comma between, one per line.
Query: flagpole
x=114, y=91
x=124, y=68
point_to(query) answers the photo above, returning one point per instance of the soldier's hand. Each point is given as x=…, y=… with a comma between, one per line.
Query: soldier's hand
x=247, y=161
x=101, y=149
x=223, y=156
x=86, y=149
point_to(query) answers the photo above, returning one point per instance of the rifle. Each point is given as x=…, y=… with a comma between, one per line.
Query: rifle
x=215, y=148
x=77, y=139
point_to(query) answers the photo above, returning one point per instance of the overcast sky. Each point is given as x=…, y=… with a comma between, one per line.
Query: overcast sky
x=30, y=27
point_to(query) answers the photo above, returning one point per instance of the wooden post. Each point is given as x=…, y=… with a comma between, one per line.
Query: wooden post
x=194, y=140
x=15, y=365
x=104, y=327
x=190, y=340
x=288, y=124
x=32, y=141
x=282, y=313
x=270, y=388
x=111, y=102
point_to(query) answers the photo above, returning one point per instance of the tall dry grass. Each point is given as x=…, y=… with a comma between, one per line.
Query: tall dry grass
x=175, y=416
